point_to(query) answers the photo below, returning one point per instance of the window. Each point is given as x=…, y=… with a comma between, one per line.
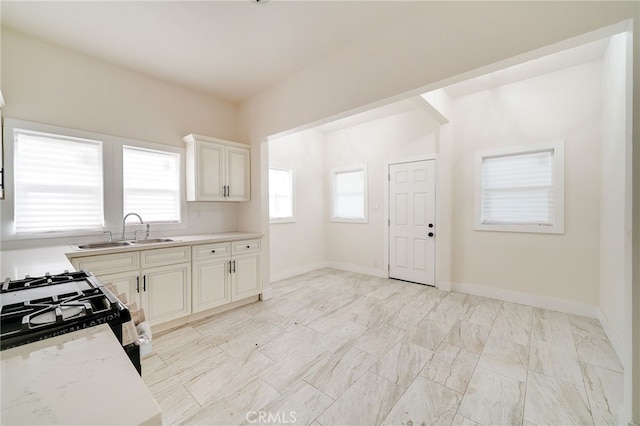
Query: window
x=58, y=183
x=281, y=200
x=151, y=184
x=521, y=189
x=349, y=194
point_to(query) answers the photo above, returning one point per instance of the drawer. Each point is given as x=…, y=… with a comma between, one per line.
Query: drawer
x=249, y=246
x=211, y=251
x=165, y=256
x=108, y=263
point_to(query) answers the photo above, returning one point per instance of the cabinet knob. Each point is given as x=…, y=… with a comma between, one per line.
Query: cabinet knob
x=213, y=251
x=248, y=246
x=430, y=234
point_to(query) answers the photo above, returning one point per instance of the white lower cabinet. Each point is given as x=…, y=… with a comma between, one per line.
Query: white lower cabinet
x=166, y=292
x=245, y=279
x=224, y=273
x=126, y=282
x=174, y=282
x=211, y=276
x=158, y=280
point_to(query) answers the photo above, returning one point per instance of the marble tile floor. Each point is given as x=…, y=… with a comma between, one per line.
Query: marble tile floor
x=338, y=348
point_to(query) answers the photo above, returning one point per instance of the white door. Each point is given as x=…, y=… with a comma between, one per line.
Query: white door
x=412, y=212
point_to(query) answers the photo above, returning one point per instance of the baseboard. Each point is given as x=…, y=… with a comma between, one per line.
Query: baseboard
x=267, y=293
x=358, y=269
x=613, y=337
x=444, y=285
x=298, y=270
x=534, y=300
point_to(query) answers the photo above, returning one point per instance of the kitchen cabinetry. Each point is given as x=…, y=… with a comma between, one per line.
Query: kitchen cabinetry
x=181, y=282
x=217, y=170
x=225, y=272
x=211, y=276
x=159, y=280
x=245, y=261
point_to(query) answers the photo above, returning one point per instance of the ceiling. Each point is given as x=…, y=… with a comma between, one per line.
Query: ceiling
x=228, y=49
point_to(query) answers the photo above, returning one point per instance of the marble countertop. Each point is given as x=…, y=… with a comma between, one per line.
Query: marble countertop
x=82, y=378
x=74, y=251
x=15, y=264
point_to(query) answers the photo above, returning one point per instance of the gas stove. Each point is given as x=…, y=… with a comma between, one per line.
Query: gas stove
x=36, y=308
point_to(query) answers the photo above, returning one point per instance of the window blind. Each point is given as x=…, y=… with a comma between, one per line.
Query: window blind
x=151, y=184
x=518, y=189
x=280, y=193
x=58, y=183
x=348, y=202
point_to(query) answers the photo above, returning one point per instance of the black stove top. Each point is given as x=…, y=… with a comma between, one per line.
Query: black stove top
x=37, y=308
x=47, y=279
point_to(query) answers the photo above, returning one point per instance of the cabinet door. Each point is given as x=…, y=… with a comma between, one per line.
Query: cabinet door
x=127, y=283
x=210, y=179
x=211, y=284
x=238, y=174
x=167, y=292
x=245, y=277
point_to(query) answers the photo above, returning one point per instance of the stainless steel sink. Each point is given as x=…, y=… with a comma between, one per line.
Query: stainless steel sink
x=105, y=244
x=152, y=241
x=123, y=243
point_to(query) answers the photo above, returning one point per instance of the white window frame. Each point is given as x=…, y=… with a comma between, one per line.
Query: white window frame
x=557, y=225
x=336, y=171
x=112, y=182
x=180, y=171
x=292, y=218
x=96, y=176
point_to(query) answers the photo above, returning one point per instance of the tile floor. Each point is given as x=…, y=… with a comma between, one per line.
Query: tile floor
x=338, y=348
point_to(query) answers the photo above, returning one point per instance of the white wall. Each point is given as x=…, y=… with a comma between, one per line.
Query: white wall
x=313, y=241
x=616, y=293
x=562, y=105
x=300, y=246
x=441, y=42
x=360, y=246
x=613, y=189
x=47, y=84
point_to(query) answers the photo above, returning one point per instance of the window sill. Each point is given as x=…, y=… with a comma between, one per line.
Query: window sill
x=535, y=229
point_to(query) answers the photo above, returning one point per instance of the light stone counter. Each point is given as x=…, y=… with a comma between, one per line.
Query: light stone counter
x=80, y=378
x=186, y=240
x=15, y=264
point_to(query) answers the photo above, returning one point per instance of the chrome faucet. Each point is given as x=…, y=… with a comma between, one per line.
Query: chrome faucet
x=125, y=220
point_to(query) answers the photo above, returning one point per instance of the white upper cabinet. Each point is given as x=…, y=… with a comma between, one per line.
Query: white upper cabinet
x=217, y=170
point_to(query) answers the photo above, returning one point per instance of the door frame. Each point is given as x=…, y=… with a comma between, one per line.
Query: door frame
x=387, y=165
